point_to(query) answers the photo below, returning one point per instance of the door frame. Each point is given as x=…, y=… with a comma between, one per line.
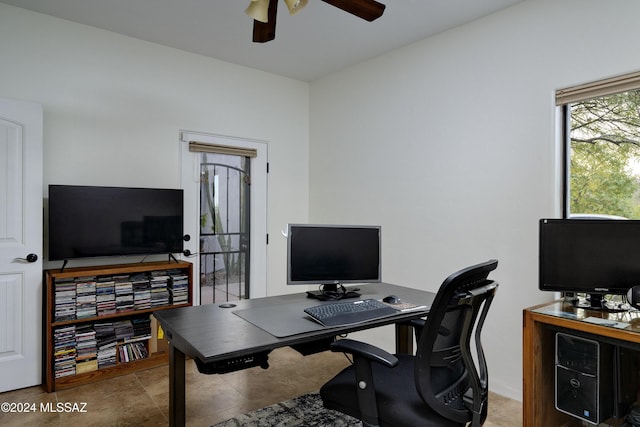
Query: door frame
x=190, y=182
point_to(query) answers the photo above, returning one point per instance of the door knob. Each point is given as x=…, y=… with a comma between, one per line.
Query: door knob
x=29, y=258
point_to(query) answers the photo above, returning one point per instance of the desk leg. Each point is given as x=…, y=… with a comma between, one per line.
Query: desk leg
x=404, y=339
x=177, y=398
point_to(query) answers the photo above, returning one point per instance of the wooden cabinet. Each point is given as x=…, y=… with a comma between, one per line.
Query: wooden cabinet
x=98, y=321
x=540, y=325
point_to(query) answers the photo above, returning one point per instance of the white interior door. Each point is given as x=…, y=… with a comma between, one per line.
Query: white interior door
x=20, y=244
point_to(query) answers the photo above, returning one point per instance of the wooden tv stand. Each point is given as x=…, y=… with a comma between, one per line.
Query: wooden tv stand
x=540, y=324
x=128, y=359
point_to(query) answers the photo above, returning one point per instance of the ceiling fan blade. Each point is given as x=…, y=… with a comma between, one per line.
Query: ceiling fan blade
x=264, y=32
x=368, y=10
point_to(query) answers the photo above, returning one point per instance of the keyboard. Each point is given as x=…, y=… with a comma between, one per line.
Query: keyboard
x=349, y=312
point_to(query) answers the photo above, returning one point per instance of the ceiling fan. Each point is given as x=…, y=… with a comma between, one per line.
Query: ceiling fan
x=264, y=12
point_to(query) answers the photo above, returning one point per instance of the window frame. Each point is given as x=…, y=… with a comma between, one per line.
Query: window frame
x=582, y=92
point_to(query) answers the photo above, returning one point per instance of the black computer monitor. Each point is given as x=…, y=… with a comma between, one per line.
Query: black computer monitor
x=333, y=255
x=593, y=256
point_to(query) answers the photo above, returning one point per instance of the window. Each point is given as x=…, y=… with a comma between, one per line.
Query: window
x=225, y=204
x=602, y=145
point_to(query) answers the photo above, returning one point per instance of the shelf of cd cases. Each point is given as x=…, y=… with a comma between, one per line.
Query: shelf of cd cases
x=99, y=321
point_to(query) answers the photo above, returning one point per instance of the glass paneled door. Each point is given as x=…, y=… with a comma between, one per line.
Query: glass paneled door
x=224, y=227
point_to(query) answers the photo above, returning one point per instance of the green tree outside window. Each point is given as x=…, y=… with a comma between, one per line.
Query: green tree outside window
x=605, y=156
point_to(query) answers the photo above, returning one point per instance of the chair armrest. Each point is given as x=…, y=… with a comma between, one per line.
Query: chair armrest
x=363, y=356
x=365, y=350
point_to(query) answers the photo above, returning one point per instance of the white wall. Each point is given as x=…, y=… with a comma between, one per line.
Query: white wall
x=113, y=108
x=449, y=144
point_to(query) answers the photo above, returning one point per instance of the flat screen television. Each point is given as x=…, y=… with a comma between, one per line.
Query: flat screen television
x=593, y=256
x=88, y=221
x=333, y=255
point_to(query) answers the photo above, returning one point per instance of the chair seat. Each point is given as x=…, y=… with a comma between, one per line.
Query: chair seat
x=398, y=402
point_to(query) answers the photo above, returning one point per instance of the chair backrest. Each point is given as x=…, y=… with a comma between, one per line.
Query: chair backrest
x=446, y=376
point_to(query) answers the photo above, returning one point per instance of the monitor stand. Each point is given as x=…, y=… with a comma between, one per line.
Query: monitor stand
x=596, y=302
x=332, y=291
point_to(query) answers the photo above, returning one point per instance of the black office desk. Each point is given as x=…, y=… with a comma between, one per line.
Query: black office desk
x=211, y=333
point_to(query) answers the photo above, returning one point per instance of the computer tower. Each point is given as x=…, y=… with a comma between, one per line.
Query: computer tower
x=584, y=381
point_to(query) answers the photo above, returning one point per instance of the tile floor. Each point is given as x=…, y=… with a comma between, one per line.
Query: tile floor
x=141, y=399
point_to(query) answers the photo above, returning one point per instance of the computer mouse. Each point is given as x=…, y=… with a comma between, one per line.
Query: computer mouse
x=391, y=299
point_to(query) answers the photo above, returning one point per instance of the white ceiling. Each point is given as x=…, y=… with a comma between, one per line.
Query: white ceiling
x=320, y=39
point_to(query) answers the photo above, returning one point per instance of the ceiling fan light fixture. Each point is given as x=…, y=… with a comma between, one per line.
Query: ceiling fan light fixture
x=295, y=6
x=258, y=10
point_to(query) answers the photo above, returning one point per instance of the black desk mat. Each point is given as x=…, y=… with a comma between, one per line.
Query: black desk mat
x=282, y=320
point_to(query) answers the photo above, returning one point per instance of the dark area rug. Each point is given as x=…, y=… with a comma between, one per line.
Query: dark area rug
x=305, y=410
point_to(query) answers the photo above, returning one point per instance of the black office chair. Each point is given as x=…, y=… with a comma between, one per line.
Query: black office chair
x=439, y=386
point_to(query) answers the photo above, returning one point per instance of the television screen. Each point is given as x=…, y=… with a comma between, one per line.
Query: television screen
x=333, y=254
x=87, y=221
x=594, y=256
